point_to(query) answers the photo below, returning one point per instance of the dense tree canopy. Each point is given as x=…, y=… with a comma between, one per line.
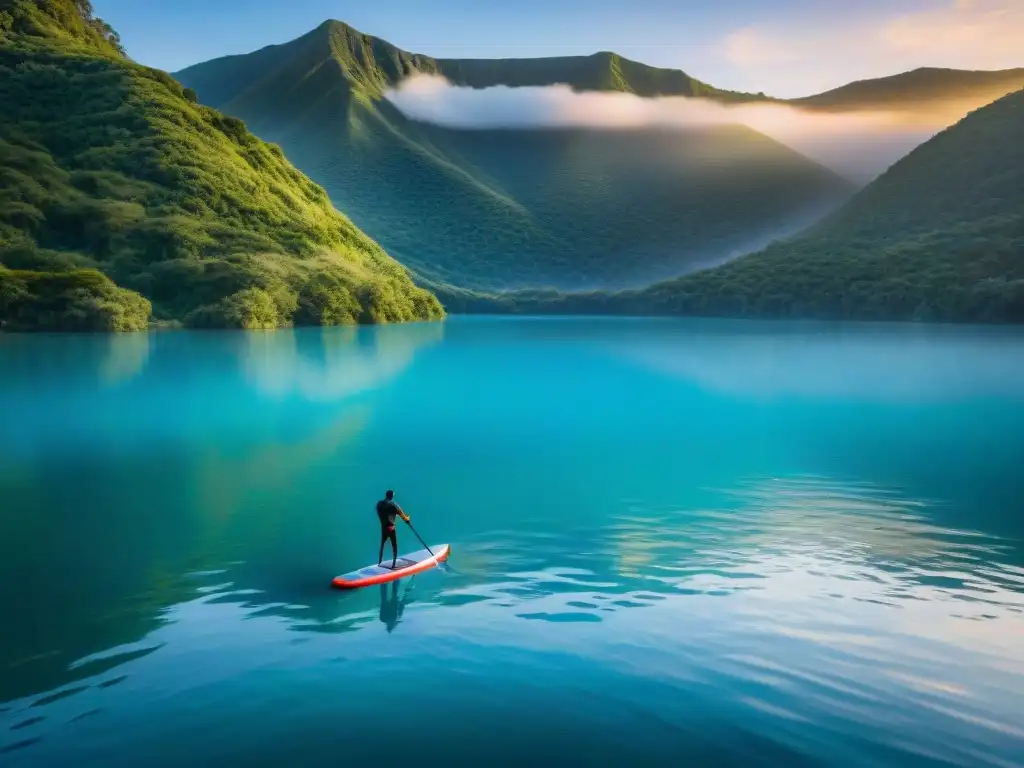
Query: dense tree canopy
x=110, y=168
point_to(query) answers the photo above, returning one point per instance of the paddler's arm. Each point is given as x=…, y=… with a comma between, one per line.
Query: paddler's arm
x=402, y=514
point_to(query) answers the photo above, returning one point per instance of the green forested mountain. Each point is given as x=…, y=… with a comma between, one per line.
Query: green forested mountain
x=940, y=236
x=498, y=209
x=120, y=196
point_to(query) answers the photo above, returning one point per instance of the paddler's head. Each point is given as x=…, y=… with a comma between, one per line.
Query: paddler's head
x=389, y=495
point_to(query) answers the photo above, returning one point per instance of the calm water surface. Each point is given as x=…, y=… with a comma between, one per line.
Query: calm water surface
x=685, y=541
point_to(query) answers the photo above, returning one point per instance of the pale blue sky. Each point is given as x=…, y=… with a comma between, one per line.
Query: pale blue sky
x=783, y=47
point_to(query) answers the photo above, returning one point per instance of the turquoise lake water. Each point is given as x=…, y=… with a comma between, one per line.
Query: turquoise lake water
x=691, y=542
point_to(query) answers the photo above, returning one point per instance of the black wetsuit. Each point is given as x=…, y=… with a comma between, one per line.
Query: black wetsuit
x=386, y=511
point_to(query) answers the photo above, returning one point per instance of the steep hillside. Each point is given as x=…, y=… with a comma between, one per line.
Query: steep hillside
x=119, y=195
x=513, y=208
x=938, y=237
x=70, y=23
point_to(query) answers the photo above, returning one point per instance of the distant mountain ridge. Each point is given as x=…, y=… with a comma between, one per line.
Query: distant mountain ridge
x=908, y=90
x=574, y=207
x=603, y=71
x=376, y=64
x=380, y=64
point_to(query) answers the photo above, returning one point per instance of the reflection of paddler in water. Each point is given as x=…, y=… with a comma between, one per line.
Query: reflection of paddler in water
x=391, y=608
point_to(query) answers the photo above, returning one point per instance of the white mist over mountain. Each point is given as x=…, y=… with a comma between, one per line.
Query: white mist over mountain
x=858, y=145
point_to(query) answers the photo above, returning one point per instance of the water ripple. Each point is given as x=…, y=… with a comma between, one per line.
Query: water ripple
x=821, y=616
x=780, y=547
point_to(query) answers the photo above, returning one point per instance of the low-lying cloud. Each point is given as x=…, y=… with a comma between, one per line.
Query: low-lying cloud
x=857, y=144
x=434, y=99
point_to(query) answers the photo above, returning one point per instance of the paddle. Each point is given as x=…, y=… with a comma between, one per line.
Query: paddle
x=447, y=566
x=419, y=537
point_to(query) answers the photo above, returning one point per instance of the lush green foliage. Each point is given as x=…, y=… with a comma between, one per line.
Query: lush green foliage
x=971, y=273
x=106, y=164
x=939, y=237
x=79, y=300
x=68, y=22
x=506, y=208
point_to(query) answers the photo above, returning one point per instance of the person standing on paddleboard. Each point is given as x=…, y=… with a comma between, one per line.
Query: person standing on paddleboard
x=386, y=511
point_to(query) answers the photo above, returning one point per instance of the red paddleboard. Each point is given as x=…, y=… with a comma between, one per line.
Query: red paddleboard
x=405, y=565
